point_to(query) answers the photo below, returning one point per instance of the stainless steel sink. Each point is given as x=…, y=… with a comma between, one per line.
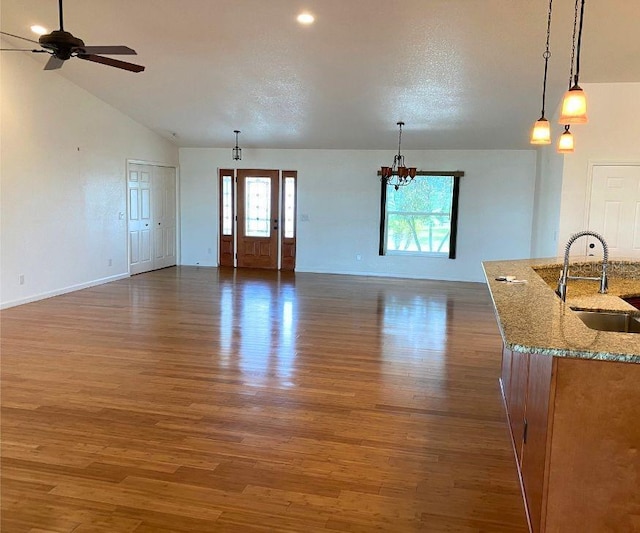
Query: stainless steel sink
x=608, y=321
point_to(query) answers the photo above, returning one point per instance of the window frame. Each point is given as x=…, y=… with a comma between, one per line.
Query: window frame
x=456, y=175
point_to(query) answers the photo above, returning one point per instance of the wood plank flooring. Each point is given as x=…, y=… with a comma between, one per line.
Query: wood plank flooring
x=199, y=400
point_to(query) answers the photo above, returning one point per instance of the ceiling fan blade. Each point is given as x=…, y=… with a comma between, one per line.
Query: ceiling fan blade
x=53, y=63
x=108, y=50
x=18, y=37
x=112, y=62
x=23, y=50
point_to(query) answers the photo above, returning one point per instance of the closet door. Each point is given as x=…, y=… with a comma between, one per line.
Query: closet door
x=163, y=193
x=152, y=219
x=139, y=224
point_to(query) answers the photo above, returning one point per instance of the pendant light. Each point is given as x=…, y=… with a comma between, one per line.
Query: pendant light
x=236, y=153
x=574, y=103
x=541, y=132
x=565, y=142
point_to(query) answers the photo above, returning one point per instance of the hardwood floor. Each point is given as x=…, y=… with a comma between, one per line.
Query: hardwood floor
x=199, y=400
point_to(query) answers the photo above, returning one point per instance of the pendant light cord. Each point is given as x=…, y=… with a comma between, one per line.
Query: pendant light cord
x=546, y=55
x=579, y=43
x=573, y=43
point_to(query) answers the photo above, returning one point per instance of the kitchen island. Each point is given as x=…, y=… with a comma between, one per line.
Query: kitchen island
x=572, y=394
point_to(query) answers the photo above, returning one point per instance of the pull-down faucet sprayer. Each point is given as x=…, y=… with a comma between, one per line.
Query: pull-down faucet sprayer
x=564, y=277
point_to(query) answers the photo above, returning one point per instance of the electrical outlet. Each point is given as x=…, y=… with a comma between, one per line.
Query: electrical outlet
x=358, y=257
x=110, y=262
x=21, y=279
x=209, y=251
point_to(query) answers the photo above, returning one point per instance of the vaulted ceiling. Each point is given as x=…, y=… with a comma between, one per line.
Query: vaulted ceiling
x=462, y=74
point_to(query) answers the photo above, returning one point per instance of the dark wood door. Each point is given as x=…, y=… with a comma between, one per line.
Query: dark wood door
x=258, y=218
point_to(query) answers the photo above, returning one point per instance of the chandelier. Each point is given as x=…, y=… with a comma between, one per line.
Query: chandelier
x=398, y=174
x=236, y=153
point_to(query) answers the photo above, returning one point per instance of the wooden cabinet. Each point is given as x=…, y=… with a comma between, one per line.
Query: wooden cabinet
x=634, y=300
x=575, y=425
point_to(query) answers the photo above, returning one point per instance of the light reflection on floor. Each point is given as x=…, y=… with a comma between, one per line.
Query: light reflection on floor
x=263, y=340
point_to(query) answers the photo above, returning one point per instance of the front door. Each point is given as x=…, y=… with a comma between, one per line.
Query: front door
x=615, y=209
x=258, y=218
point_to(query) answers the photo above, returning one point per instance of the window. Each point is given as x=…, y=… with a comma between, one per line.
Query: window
x=258, y=207
x=421, y=218
x=227, y=205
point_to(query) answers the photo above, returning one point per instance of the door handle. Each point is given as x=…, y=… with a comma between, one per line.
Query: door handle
x=275, y=223
x=146, y=225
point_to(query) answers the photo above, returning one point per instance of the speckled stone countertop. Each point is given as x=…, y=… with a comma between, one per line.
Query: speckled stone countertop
x=532, y=318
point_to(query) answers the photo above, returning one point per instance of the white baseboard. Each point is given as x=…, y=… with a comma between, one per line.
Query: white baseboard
x=65, y=290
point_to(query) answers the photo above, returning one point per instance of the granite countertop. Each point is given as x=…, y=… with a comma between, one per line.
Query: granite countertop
x=533, y=319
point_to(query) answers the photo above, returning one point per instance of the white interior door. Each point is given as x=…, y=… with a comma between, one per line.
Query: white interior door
x=152, y=217
x=164, y=217
x=614, y=210
x=140, y=223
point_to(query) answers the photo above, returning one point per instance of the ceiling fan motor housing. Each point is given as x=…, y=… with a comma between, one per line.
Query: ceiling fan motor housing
x=61, y=43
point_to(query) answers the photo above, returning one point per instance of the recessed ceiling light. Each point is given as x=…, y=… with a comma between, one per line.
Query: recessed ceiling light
x=306, y=18
x=39, y=30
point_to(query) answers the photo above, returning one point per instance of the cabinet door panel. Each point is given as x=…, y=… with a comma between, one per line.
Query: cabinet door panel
x=517, y=398
x=534, y=450
x=506, y=374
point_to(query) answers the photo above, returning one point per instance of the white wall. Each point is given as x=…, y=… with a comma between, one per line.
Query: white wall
x=612, y=135
x=62, y=182
x=339, y=192
x=546, y=211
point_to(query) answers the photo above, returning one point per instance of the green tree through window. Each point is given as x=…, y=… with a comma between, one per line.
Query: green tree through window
x=420, y=218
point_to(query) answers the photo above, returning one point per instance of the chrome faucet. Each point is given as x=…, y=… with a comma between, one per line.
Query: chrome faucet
x=564, y=276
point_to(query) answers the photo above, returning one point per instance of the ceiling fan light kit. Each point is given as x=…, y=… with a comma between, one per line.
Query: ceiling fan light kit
x=62, y=46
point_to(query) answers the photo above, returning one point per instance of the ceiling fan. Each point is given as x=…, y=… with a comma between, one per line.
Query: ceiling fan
x=62, y=45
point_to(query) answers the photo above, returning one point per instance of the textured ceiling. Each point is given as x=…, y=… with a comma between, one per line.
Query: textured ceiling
x=462, y=74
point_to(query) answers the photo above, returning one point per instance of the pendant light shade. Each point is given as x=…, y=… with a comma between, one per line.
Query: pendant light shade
x=541, y=132
x=574, y=107
x=565, y=142
x=574, y=103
